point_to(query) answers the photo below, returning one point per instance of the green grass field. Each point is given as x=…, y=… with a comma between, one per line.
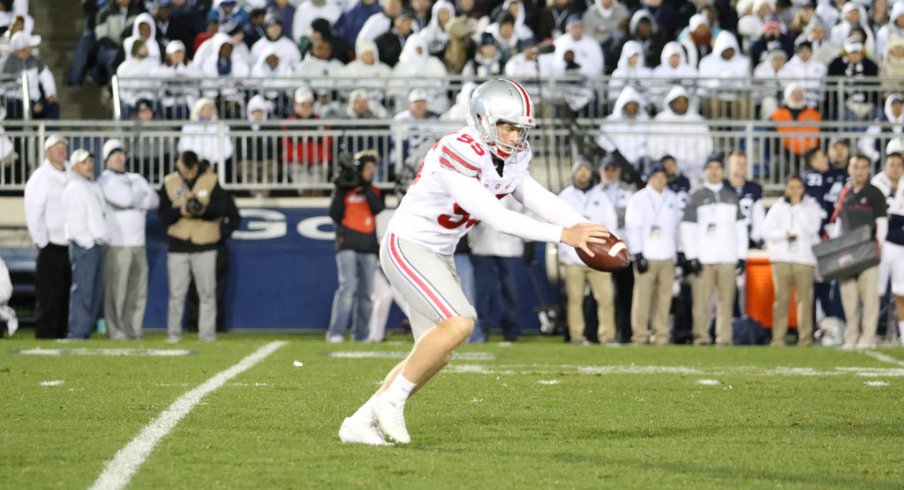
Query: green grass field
x=537, y=414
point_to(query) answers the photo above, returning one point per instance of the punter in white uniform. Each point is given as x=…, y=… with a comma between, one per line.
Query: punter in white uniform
x=459, y=183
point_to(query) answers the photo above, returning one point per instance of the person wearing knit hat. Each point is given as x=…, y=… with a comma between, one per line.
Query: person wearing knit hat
x=128, y=197
x=588, y=200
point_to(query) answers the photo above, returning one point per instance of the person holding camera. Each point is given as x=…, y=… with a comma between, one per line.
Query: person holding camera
x=192, y=205
x=354, y=207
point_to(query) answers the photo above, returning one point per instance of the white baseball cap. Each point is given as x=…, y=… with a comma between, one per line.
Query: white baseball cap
x=112, y=146
x=304, y=94
x=54, y=139
x=79, y=156
x=417, y=94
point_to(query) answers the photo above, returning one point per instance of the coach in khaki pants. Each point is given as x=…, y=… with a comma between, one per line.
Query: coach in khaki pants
x=590, y=201
x=860, y=203
x=652, y=224
x=714, y=237
x=791, y=228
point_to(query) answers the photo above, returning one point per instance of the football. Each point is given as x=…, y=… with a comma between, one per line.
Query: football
x=610, y=256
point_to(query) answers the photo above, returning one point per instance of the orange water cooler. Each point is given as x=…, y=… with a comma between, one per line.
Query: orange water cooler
x=760, y=293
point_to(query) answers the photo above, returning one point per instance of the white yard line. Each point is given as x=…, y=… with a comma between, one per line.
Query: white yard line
x=127, y=460
x=884, y=358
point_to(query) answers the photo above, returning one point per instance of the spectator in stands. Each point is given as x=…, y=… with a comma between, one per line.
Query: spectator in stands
x=187, y=20
x=381, y=22
x=768, y=83
x=892, y=265
x=891, y=68
x=8, y=320
x=283, y=10
x=204, y=136
x=626, y=130
x=418, y=69
x=273, y=71
x=791, y=229
x=839, y=154
x=421, y=9
x=750, y=197
x=285, y=49
x=416, y=135
x=503, y=31
x=618, y=193
x=525, y=65
x=890, y=124
x=652, y=224
x=434, y=34
x=588, y=56
x=590, y=201
x=351, y=22
x=391, y=43
x=148, y=150
x=257, y=154
x=144, y=29
x=128, y=198
x=860, y=204
x=310, y=10
x=631, y=71
x=803, y=16
x=687, y=137
x=228, y=11
x=192, y=205
x=698, y=43
x=354, y=206
x=213, y=27
x=176, y=96
x=800, y=139
x=520, y=13
x=305, y=154
x=459, y=111
x=361, y=108
x=111, y=23
x=673, y=70
x=604, y=21
x=87, y=233
x=859, y=95
x=644, y=29
x=894, y=28
x=804, y=68
x=255, y=30
x=750, y=25
x=724, y=74
x=713, y=215
x=460, y=47
x=134, y=74
x=487, y=61
x=367, y=70
x=322, y=31
x=853, y=16
x=163, y=12
x=41, y=86
x=772, y=39
x=45, y=216
x=319, y=65
x=496, y=258
x=221, y=60
x=824, y=50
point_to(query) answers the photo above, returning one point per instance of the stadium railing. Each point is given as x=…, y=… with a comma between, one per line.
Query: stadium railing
x=261, y=158
x=592, y=97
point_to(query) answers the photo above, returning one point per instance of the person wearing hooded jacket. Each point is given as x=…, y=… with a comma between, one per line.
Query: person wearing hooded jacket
x=421, y=70
x=853, y=16
x=553, y=16
x=588, y=200
x=202, y=135
x=673, y=69
x=274, y=73
x=392, y=42
x=310, y=10
x=806, y=69
x=686, y=137
x=713, y=216
x=516, y=8
x=631, y=71
x=128, y=198
x=380, y=22
x=435, y=35
x=275, y=38
x=349, y=25
x=652, y=223
x=894, y=28
x=176, y=96
x=724, y=74
x=888, y=125
x=627, y=129
x=587, y=54
x=891, y=68
x=134, y=74
x=644, y=29
x=698, y=42
x=860, y=97
x=603, y=21
x=145, y=29
x=366, y=71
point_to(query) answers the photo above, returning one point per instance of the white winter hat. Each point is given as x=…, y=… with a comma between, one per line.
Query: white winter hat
x=79, y=156
x=303, y=94
x=175, y=45
x=416, y=95
x=110, y=147
x=54, y=139
x=894, y=146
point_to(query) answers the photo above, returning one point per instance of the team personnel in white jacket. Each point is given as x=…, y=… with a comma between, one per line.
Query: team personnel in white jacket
x=45, y=217
x=791, y=229
x=590, y=201
x=652, y=223
x=714, y=236
x=128, y=198
x=892, y=266
x=86, y=230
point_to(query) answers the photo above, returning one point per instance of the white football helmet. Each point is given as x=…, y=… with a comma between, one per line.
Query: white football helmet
x=498, y=101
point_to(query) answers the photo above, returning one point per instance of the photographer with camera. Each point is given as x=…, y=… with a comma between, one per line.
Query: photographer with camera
x=192, y=205
x=354, y=207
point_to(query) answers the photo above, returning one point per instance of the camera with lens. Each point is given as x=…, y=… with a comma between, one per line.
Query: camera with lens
x=194, y=206
x=347, y=176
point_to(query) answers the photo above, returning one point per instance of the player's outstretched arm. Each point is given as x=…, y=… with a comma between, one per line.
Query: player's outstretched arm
x=581, y=234
x=547, y=205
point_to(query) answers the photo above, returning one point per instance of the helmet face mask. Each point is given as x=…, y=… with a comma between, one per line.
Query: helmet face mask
x=498, y=102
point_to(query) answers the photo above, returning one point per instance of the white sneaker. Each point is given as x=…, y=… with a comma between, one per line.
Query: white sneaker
x=391, y=419
x=335, y=339
x=359, y=431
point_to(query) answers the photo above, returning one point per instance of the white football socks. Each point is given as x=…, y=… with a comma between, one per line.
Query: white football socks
x=400, y=389
x=366, y=412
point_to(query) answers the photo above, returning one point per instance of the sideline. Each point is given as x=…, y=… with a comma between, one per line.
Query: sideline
x=127, y=460
x=884, y=358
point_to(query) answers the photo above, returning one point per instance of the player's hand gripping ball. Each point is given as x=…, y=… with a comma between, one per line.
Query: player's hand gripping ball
x=609, y=256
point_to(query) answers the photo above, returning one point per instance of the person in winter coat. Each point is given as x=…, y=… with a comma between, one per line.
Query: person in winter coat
x=351, y=22
x=891, y=68
x=790, y=229
x=307, y=156
x=381, y=22
x=257, y=155
x=673, y=69
x=887, y=126
x=318, y=66
x=145, y=29
x=310, y=10
x=805, y=69
x=275, y=38
x=42, y=87
x=768, y=83
x=551, y=20
x=507, y=41
x=423, y=71
x=203, y=135
x=894, y=28
x=772, y=39
x=220, y=60
x=626, y=130
x=366, y=71
x=686, y=136
x=435, y=35
x=724, y=75
x=800, y=139
x=604, y=21
x=631, y=71
x=853, y=16
x=588, y=56
x=699, y=40
x=134, y=74
x=177, y=91
x=860, y=97
x=392, y=42
x=644, y=29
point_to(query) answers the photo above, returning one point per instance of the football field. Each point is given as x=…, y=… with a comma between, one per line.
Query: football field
x=262, y=411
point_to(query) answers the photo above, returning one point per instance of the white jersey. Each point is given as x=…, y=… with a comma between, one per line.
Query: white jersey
x=458, y=185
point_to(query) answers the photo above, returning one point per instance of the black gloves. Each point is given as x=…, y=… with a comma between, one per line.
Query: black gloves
x=641, y=263
x=741, y=267
x=528, y=256
x=694, y=266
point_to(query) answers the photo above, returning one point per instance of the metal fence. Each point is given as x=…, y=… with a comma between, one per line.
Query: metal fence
x=297, y=155
x=715, y=98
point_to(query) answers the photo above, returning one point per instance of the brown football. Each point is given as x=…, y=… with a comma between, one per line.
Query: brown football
x=610, y=256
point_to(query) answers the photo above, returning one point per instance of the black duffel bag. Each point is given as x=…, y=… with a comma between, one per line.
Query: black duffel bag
x=848, y=255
